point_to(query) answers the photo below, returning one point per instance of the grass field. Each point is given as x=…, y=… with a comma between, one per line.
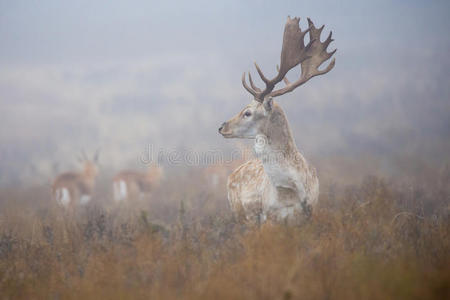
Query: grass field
x=376, y=239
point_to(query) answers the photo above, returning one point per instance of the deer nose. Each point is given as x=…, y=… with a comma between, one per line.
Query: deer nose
x=221, y=127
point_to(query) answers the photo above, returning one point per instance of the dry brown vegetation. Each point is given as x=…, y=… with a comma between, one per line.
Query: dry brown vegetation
x=378, y=239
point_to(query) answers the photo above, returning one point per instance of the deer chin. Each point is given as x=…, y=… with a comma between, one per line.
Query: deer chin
x=228, y=135
x=232, y=135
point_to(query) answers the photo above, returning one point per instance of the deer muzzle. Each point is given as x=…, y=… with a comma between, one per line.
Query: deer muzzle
x=224, y=130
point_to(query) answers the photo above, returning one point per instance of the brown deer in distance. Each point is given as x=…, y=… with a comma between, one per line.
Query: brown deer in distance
x=216, y=171
x=74, y=188
x=279, y=184
x=131, y=184
x=217, y=174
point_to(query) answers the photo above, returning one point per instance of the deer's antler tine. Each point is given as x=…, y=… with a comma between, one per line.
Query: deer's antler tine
x=329, y=67
x=330, y=54
x=320, y=29
x=311, y=24
x=285, y=80
x=244, y=83
x=328, y=40
x=261, y=74
x=254, y=87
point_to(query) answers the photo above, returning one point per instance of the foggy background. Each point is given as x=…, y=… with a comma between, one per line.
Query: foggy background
x=122, y=76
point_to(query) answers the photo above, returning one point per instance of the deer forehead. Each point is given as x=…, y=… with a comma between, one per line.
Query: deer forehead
x=252, y=106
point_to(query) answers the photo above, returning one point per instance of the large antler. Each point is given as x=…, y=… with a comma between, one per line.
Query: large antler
x=293, y=53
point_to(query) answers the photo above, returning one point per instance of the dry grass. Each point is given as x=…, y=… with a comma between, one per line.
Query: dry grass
x=377, y=240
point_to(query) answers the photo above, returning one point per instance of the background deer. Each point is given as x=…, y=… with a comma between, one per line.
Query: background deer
x=72, y=188
x=279, y=184
x=131, y=184
x=216, y=174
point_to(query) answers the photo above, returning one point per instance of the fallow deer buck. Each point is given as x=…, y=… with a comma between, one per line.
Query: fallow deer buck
x=131, y=185
x=73, y=188
x=279, y=184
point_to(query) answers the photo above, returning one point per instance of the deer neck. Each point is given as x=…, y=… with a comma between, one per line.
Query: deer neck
x=275, y=137
x=276, y=149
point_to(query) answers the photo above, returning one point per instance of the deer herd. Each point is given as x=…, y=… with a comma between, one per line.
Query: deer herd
x=71, y=189
x=278, y=184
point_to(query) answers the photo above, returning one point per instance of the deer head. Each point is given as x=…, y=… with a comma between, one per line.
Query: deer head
x=256, y=117
x=90, y=166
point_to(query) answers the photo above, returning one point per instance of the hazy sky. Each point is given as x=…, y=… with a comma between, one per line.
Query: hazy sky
x=120, y=75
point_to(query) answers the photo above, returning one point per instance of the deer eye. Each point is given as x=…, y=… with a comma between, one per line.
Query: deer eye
x=247, y=114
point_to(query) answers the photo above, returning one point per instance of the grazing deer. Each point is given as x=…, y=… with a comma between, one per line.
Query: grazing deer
x=130, y=184
x=72, y=188
x=279, y=184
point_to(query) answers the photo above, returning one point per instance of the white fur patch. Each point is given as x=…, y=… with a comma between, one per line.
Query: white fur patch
x=120, y=190
x=63, y=197
x=84, y=199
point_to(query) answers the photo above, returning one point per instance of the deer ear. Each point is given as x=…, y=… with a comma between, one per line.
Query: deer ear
x=268, y=104
x=96, y=155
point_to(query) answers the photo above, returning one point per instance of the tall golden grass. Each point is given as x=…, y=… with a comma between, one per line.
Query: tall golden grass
x=374, y=240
